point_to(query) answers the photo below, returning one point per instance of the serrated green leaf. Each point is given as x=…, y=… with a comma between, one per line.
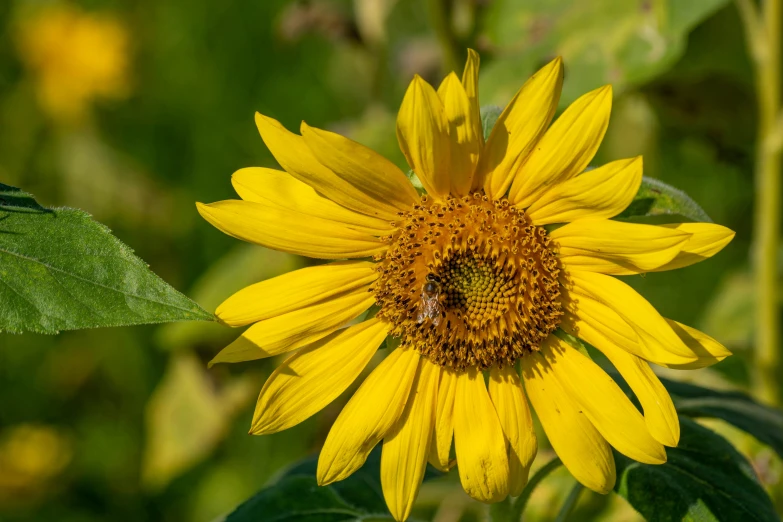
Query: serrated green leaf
x=704, y=479
x=295, y=496
x=61, y=270
x=657, y=199
x=736, y=408
x=489, y=115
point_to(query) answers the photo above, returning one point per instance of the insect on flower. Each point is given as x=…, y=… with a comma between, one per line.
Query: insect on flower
x=507, y=282
x=429, y=306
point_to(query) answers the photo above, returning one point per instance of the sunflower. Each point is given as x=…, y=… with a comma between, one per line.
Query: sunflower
x=480, y=281
x=75, y=57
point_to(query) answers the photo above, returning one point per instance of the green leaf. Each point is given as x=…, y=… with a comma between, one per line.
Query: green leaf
x=736, y=408
x=299, y=498
x=576, y=342
x=704, y=479
x=658, y=199
x=489, y=115
x=60, y=270
x=296, y=496
x=620, y=42
x=416, y=182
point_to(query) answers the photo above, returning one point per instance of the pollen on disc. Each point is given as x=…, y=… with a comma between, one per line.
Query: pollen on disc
x=497, y=289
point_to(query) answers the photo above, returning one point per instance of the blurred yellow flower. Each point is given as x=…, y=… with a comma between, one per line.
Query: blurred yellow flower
x=470, y=279
x=74, y=57
x=30, y=455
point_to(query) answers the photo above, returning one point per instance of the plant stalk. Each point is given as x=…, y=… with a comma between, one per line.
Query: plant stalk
x=521, y=502
x=762, y=27
x=570, y=503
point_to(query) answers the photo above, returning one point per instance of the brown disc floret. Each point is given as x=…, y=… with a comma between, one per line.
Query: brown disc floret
x=497, y=295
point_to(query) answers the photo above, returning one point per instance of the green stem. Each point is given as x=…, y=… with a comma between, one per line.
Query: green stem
x=501, y=511
x=570, y=503
x=521, y=502
x=440, y=24
x=762, y=30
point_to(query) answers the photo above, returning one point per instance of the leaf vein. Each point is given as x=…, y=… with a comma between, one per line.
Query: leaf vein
x=94, y=283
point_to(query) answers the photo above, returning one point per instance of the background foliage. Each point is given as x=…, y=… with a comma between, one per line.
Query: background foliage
x=134, y=109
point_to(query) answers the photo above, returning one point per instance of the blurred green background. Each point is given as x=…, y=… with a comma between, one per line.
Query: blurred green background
x=134, y=109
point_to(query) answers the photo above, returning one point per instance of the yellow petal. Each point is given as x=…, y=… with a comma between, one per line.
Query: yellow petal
x=368, y=417
x=659, y=413
x=289, y=231
x=584, y=315
x=616, y=247
x=519, y=127
x=464, y=132
x=614, y=308
x=707, y=239
x=470, y=77
x=479, y=441
x=566, y=149
x=582, y=449
x=597, y=194
x=505, y=389
x=279, y=189
x=361, y=167
x=294, y=290
x=295, y=157
x=406, y=447
x=292, y=330
x=602, y=401
x=312, y=378
x=236, y=352
x=440, y=450
x=423, y=133
x=707, y=350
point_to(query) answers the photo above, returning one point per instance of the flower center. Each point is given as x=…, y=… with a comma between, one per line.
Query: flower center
x=469, y=282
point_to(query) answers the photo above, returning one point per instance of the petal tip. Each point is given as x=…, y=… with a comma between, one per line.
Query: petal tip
x=322, y=475
x=261, y=119
x=263, y=123
x=601, y=95
x=554, y=69
x=669, y=439
x=203, y=210
x=259, y=428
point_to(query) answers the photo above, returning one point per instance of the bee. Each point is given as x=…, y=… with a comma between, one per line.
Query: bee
x=429, y=306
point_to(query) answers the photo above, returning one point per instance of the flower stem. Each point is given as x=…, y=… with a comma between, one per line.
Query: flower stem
x=521, y=502
x=762, y=30
x=570, y=503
